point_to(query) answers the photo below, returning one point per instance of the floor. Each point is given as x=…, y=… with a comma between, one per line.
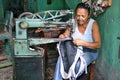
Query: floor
x=6, y=73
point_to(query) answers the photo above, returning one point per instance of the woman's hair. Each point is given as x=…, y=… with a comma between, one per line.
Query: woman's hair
x=84, y=6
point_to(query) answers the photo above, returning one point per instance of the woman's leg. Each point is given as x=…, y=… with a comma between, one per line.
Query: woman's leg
x=89, y=58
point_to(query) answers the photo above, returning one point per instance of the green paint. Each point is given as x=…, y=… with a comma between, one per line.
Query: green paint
x=42, y=5
x=72, y=3
x=108, y=63
x=1, y=10
x=21, y=48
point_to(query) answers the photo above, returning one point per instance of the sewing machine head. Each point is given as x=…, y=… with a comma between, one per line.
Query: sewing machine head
x=45, y=21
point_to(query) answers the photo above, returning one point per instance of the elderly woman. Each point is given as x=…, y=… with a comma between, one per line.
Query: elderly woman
x=85, y=42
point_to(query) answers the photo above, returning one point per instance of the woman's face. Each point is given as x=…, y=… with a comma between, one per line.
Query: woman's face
x=82, y=16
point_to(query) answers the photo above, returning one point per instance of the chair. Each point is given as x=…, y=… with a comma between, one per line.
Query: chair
x=92, y=67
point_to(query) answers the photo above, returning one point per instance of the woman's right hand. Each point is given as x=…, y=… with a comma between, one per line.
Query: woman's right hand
x=63, y=35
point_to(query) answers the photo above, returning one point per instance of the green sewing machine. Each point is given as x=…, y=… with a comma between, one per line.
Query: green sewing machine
x=29, y=63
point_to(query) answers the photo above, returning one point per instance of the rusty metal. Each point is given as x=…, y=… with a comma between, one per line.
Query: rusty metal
x=36, y=41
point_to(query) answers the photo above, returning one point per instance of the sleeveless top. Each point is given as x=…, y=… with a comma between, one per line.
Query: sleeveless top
x=87, y=36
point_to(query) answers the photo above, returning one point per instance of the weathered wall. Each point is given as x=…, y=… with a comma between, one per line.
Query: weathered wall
x=20, y=6
x=108, y=63
x=1, y=10
x=42, y=5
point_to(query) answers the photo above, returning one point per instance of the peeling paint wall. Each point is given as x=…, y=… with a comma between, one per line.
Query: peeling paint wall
x=1, y=10
x=108, y=63
x=42, y=5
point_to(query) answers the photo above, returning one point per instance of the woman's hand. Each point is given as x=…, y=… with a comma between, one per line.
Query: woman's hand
x=63, y=35
x=38, y=30
x=78, y=42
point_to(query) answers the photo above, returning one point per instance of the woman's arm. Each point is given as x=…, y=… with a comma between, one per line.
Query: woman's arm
x=96, y=37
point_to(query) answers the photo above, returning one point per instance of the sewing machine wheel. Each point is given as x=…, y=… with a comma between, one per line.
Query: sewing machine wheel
x=25, y=14
x=49, y=15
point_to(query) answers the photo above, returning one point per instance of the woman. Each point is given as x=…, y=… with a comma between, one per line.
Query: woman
x=85, y=34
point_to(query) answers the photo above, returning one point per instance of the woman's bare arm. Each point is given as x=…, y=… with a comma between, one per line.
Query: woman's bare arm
x=96, y=37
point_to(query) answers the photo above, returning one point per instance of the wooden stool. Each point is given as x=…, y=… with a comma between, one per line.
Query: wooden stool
x=92, y=67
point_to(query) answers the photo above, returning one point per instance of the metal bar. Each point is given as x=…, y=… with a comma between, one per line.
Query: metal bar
x=36, y=41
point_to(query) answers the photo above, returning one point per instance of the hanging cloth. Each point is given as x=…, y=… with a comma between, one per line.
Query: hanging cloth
x=69, y=56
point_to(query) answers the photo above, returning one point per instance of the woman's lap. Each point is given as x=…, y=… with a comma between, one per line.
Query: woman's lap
x=89, y=57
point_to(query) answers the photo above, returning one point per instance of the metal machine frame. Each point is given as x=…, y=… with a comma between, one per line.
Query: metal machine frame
x=43, y=20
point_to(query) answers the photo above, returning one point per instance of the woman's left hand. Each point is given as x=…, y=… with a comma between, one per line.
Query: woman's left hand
x=38, y=30
x=78, y=42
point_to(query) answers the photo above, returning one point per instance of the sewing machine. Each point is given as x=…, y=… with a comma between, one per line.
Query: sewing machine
x=28, y=61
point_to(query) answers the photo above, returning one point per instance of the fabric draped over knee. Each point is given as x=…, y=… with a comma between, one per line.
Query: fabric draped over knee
x=69, y=55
